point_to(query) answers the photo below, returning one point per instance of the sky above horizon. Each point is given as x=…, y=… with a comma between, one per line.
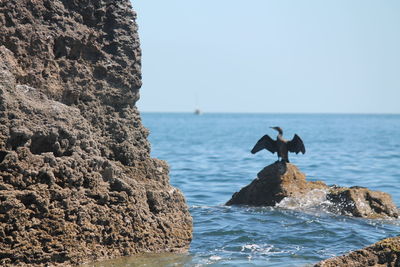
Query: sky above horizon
x=270, y=56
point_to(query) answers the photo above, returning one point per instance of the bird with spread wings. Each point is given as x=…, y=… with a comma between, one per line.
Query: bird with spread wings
x=280, y=145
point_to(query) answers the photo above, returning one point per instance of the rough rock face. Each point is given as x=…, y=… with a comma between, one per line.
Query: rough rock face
x=84, y=53
x=283, y=182
x=76, y=179
x=274, y=183
x=382, y=253
x=362, y=202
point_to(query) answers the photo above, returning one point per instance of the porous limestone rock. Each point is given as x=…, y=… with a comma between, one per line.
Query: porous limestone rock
x=83, y=53
x=383, y=253
x=283, y=181
x=77, y=182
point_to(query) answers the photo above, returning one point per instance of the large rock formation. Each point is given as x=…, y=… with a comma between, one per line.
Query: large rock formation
x=284, y=183
x=76, y=179
x=383, y=253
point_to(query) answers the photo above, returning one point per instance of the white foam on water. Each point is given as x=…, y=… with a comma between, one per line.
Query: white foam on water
x=251, y=247
x=215, y=258
x=315, y=200
x=257, y=249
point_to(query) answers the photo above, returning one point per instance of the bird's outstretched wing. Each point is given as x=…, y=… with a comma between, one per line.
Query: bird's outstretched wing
x=296, y=145
x=265, y=142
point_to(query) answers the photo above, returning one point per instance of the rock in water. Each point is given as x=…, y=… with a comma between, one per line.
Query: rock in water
x=274, y=183
x=76, y=179
x=382, y=253
x=362, y=202
x=281, y=183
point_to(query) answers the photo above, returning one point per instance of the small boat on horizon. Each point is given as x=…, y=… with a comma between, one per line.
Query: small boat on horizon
x=197, y=111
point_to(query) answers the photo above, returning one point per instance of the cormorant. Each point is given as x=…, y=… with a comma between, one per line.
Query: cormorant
x=280, y=145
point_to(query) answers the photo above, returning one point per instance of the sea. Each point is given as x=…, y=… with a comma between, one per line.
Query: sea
x=209, y=158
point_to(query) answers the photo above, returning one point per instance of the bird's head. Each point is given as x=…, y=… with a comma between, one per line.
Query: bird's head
x=276, y=128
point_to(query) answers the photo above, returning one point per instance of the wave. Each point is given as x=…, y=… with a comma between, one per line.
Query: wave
x=314, y=201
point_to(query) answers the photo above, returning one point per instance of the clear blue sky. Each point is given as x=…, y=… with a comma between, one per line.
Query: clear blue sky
x=270, y=56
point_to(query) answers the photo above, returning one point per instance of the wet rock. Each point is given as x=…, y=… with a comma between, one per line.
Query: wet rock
x=362, y=202
x=284, y=185
x=76, y=179
x=382, y=253
x=274, y=183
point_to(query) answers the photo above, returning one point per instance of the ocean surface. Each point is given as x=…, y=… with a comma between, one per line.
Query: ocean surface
x=210, y=159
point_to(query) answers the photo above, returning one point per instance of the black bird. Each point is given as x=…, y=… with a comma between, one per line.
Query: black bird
x=280, y=145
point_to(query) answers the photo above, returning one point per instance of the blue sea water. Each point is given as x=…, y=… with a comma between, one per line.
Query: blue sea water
x=210, y=159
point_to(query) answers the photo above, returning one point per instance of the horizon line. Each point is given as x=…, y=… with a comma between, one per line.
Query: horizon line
x=275, y=113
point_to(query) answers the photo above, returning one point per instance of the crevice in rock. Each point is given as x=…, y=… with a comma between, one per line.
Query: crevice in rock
x=31, y=201
x=3, y=154
x=16, y=140
x=42, y=144
x=151, y=203
x=112, y=48
x=376, y=204
x=99, y=73
x=59, y=48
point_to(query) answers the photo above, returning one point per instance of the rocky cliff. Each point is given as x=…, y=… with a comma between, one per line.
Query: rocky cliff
x=76, y=179
x=282, y=184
